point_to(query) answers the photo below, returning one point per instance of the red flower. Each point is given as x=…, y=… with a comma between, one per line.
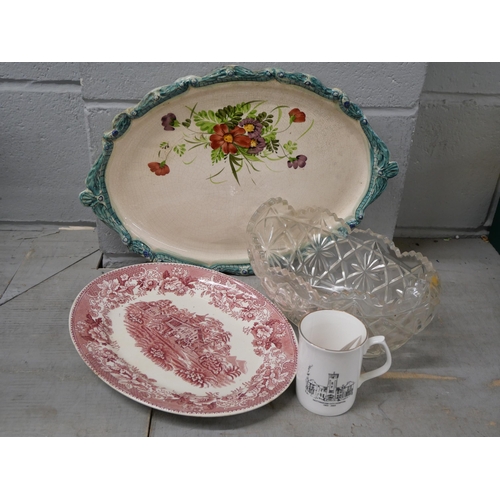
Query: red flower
x=297, y=116
x=225, y=139
x=158, y=168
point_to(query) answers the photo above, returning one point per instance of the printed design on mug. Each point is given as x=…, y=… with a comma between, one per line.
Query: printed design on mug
x=329, y=394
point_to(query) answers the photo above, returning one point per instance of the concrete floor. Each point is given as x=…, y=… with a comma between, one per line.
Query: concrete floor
x=444, y=382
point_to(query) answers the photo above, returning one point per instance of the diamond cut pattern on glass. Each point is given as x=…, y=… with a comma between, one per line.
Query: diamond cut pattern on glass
x=310, y=259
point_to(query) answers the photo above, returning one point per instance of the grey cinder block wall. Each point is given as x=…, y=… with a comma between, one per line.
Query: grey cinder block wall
x=452, y=184
x=44, y=149
x=54, y=115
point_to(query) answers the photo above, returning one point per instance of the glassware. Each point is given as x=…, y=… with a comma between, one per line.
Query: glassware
x=309, y=259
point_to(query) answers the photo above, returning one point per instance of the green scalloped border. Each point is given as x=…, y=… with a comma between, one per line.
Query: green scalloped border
x=96, y=195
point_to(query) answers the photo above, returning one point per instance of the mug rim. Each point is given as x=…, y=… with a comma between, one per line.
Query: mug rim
x=324, y=348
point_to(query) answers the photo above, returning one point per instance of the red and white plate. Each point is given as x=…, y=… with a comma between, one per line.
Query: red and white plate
x=184, y=339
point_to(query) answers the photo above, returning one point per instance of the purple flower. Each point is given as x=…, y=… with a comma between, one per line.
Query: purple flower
x=167, y=121
x=300, y=161
x=252, y=127
x=257, y=144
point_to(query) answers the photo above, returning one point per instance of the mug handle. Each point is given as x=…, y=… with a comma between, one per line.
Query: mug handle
x=379, y=339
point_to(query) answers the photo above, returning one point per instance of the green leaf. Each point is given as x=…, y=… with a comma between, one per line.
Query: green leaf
x=180, y=149
x=212, y=177
x=250, y=159
x=269, y=133
x=196, y=145
x=280, y=114
x=230, y=115
x=290, y=147
x=205, y=126
x=243, y=108
x=267, y=156
x=235, y=166
x=273, y=145
x=192, y=110
x=204, y=123
x=310, y=127
x=216, y=155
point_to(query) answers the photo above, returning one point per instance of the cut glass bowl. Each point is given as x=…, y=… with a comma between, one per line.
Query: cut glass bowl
x=309, y=259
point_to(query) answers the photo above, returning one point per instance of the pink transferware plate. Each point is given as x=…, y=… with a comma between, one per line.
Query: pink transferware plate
x=184, y=339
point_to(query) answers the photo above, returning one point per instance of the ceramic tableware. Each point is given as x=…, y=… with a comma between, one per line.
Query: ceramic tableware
x=184, y=339
x=181, y=173
x=331, y=349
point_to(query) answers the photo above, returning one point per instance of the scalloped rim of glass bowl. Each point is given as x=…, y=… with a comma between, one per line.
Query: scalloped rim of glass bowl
x=301, y=284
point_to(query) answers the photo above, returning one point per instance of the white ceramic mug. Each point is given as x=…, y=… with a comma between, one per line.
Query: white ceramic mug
x=331, y=349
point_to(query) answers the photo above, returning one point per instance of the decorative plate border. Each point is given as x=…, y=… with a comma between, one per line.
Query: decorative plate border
x=96, y=195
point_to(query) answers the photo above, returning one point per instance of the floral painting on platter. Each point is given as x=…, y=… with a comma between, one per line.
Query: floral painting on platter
x=182, y=172
x=239, y=136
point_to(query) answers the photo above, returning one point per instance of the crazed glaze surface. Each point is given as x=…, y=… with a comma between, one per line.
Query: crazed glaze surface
x=181, y=173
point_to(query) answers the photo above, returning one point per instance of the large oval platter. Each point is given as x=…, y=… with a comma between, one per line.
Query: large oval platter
x=181, y=173
x=184, y=339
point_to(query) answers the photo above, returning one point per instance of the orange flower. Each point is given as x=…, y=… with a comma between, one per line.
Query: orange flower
x=158, y=168
x=225, y=139
x=297, y=116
